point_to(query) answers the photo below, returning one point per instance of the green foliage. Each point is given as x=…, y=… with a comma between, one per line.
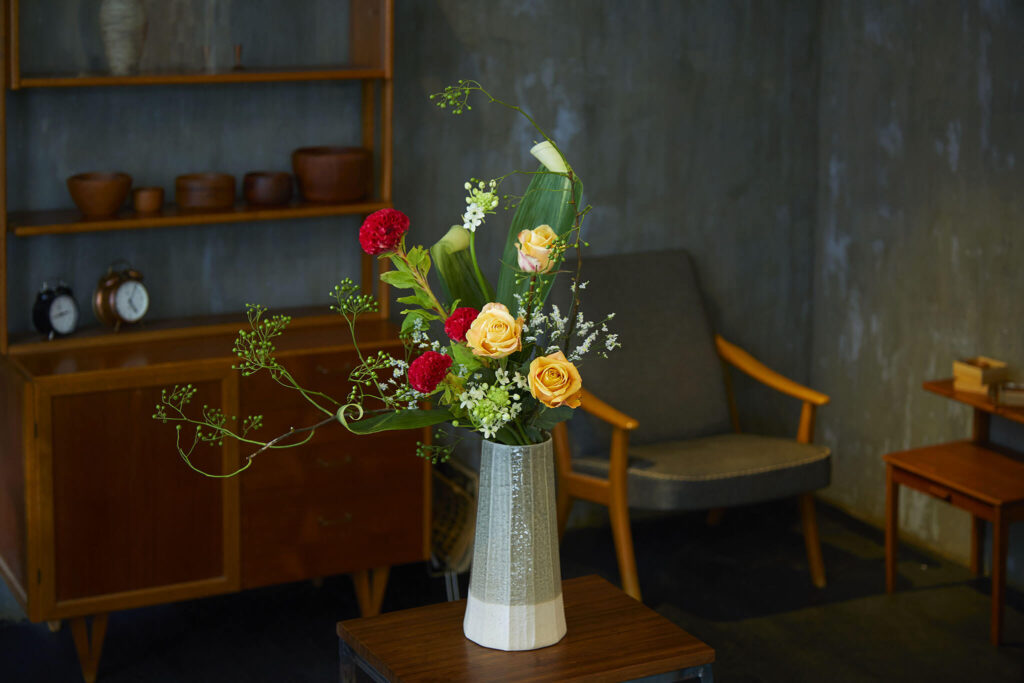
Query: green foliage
x=254, y=348
x=549, y=417
x=456, y=270
x=490, y=395
x=350, y=302
x=552, y=199
x=463, y=355
x=409, y=418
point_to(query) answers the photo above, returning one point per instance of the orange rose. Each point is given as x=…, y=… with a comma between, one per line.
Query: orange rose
x=495, y=333
x=534, y=247
x=555, y=382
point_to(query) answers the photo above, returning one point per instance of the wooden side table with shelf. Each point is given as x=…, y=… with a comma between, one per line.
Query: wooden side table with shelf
x=977, y=476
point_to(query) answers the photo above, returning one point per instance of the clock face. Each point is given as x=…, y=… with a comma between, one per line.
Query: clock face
x=131, y=301
x=63, y=314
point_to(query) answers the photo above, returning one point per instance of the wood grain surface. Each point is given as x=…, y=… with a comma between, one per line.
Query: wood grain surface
x=979, y=471
x=610, y=637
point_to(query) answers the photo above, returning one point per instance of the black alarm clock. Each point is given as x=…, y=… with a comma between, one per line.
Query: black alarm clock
x=55, y=311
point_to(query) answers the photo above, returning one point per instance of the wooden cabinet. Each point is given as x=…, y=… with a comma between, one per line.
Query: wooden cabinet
x=121, y=521
x=99, y=513
x=97, y=510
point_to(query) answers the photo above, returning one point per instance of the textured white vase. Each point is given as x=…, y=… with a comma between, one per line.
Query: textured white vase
x=515, y=586
x=123, y=25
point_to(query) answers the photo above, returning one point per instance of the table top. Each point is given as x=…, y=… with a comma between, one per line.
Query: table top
x=986, y=473
x=610, y=637
x=944, y=387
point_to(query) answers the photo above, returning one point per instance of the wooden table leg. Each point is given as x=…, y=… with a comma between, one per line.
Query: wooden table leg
x=370, y=585
x=977, y=545
x=89, y=643
x=892, y=506
x=1000, y=538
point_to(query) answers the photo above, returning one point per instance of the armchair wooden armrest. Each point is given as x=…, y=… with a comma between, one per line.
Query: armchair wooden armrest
x=601, y=410
x=742, y=360
x=612, y=492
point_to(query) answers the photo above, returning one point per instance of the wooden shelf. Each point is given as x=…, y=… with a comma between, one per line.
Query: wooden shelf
x=66, y=221
x=190, y=340
x=944, y=387
x=277, y=75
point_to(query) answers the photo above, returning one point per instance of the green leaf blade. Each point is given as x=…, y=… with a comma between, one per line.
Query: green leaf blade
x=403, y=419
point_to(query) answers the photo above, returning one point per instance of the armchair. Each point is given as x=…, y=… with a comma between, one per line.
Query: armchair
x=673, y=441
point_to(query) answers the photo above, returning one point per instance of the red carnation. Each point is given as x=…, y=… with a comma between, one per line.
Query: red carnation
x=382, y=231
x=427, y=371
x=459, y=321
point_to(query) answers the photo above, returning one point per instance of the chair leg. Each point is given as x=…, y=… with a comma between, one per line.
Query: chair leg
x=370, y=585
x=810, y=524
x=88, y=638
x=618, y=513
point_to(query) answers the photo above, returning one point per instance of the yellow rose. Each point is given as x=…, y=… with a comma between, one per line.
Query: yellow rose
x=534, y=248
x=555, y=382
x=495, y=333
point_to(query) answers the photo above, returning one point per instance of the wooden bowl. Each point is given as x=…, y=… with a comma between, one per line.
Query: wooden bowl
x=332, y=174
x=205, y=191
x=267, y=188
x=148, y=199
x=98, y=194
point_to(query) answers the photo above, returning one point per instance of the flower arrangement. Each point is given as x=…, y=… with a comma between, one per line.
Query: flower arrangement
x=496, y=360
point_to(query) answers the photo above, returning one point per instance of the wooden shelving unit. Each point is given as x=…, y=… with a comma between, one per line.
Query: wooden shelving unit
x=371, y=64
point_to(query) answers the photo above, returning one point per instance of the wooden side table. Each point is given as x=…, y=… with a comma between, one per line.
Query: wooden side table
x=976, y=476
x=611, y=637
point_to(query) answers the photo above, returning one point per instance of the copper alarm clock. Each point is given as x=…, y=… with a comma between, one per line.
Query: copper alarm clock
x=120, y=297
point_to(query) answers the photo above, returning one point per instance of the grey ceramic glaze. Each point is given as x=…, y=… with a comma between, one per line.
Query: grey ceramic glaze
x=515, y=558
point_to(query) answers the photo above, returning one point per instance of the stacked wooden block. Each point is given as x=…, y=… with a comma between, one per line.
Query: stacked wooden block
x=988, y=377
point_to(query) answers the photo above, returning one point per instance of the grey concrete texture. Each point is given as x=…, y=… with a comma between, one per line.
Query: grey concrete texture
x=515, y=552
x=918, y=250
x=690, y=124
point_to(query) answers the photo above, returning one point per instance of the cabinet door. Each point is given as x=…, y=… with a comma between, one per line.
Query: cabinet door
x=132, y=523
x=337, y=504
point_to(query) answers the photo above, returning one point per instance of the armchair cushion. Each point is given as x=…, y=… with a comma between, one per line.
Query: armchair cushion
x=717, y=471
x=667, y=374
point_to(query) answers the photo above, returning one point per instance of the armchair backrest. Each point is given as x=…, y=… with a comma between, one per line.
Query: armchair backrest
x=667, y=374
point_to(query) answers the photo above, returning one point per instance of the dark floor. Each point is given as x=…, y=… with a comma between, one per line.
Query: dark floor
x=741, y=587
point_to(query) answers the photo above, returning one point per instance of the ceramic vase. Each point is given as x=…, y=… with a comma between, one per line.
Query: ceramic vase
x=123, y=25
x=515, y=585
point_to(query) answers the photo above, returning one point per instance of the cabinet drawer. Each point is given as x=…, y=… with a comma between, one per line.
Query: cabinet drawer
x=332, y=461
x=943, y=492
x=364, y=508
x=324, y=372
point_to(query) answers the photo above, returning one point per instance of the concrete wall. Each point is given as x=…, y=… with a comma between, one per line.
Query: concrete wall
x=918, y=249
x=691, y=124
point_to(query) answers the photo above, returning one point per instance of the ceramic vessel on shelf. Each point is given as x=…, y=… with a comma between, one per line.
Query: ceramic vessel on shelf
x=99, y=194
x=267, y=188
x=148, y=199
x=205, y=191
x=515, y=585
x=123, y=25
x=332, y=174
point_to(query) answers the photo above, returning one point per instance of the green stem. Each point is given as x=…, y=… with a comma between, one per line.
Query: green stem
x=522, y=433
x=485, y=288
